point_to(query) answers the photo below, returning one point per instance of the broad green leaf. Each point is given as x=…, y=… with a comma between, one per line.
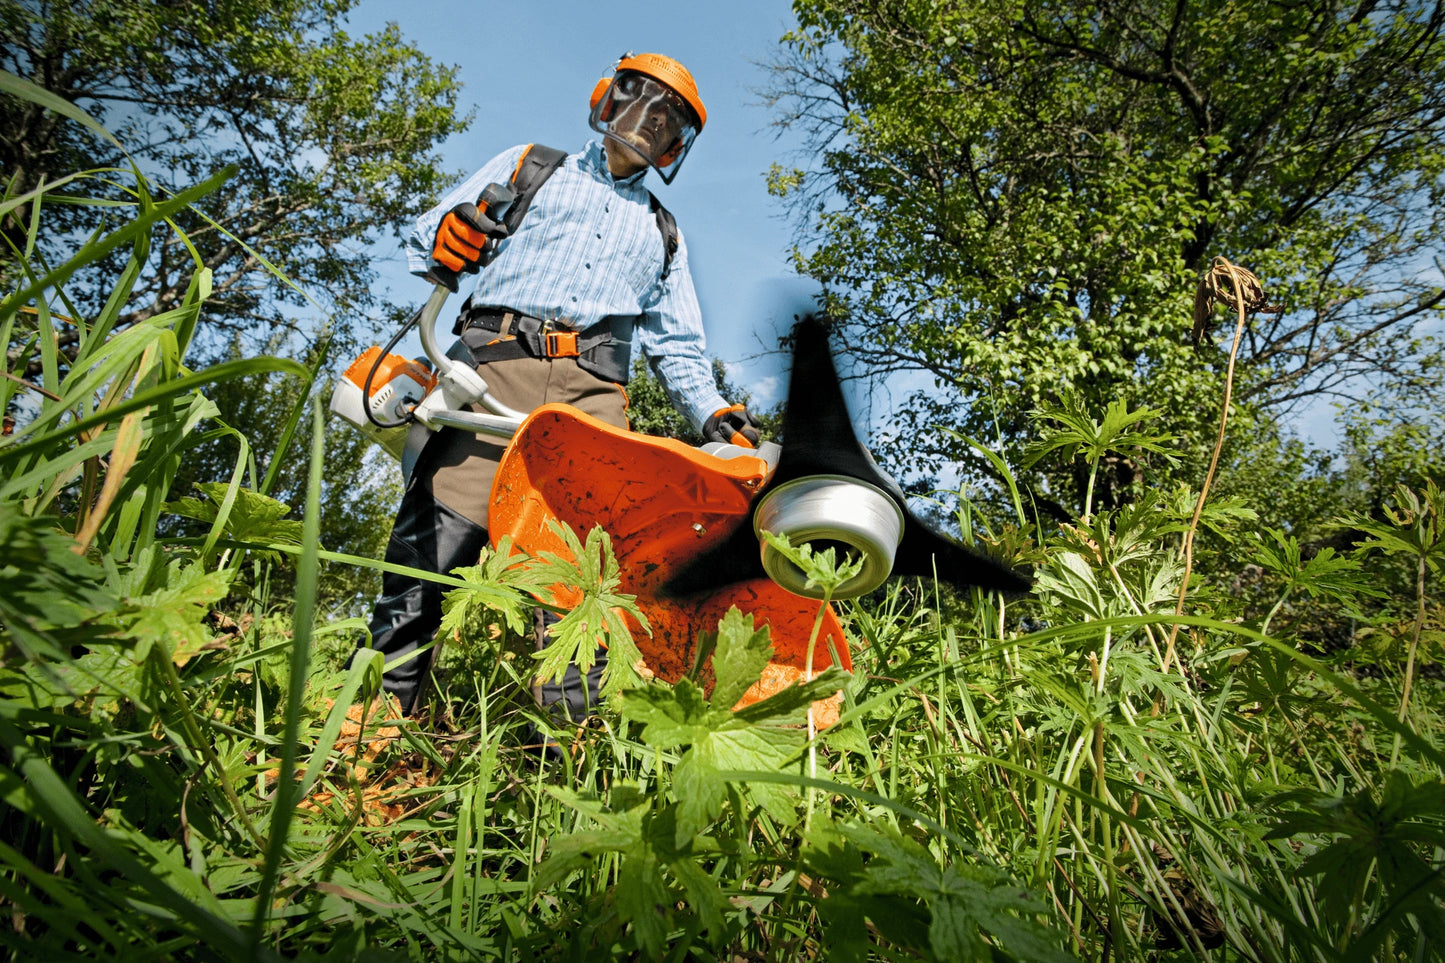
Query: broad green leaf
x=1323, y=575
x=644, y=899
x=171, y=617
x=248, y=516
x=47, y=591
x=964, y=899
x=594, y=621
x=1413, y=525
x=824, y=570
x=740, y=654
x=740, y=749
x=503, y=583
x=676, y=715
x=1072, y=579
x=1115, y=433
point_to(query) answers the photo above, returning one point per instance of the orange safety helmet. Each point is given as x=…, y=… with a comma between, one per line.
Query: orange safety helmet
x=646, y=93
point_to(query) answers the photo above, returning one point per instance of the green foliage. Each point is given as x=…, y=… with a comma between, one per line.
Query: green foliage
x=53, y=598
x=1323, y=576
x=499, y=584
x=1412, y=526
x=188, y=774
x=240, y=515
x=1078, y=433
x=171, y=616
x=668, y=833
x=824, y=570
x=600, y=616
x=332, y=140
x=720, y=740
x=1017, y=202
x=1368, y=856
x=963, y=902
x=360, y=489
x=110, y=711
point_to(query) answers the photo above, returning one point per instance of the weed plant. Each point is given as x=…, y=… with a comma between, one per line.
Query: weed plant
x=190, y=772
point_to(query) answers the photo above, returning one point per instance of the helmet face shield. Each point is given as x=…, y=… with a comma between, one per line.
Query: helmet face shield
x=641, y=114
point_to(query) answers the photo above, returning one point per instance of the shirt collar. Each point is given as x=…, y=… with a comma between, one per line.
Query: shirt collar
x=594, y=160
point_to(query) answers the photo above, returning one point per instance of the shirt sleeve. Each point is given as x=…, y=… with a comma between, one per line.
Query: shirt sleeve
x=420, y=241
x=671, y=336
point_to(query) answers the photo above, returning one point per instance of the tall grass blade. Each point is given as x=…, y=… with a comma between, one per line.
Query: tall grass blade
x=287, y=785
x=25, y=90
x=36, y=787
x=94, y=249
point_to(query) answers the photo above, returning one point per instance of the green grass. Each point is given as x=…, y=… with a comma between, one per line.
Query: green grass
x=1027, y=779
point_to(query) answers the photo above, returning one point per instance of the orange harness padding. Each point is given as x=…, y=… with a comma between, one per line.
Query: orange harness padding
x=661, y=502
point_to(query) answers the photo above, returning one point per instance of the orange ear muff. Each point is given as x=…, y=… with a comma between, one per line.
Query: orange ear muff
x=599, y=90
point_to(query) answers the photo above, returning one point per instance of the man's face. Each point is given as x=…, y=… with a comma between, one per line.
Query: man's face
x=648, y=115
x=645, y=120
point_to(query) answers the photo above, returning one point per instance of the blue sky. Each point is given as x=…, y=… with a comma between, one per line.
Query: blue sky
x=528, y=70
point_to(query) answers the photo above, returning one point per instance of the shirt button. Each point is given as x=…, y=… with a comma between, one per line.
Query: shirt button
x=574, y=299
x=599, y=237
x=588, y=265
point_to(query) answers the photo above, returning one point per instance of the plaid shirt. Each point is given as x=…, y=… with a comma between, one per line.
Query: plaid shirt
x=589, y=248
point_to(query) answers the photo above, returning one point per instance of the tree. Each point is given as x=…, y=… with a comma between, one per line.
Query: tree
x=651, y=412
x=332, y=138
x=360, y=487
x=1018, y=199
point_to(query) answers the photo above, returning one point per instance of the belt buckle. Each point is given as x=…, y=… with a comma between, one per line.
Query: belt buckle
x=558, y=344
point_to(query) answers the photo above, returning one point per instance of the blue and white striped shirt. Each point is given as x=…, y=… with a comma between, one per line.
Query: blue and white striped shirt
x=589, y=248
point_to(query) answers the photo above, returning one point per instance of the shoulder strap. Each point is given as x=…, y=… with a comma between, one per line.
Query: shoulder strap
x=536, y=164
x=667, y=224
x=539, y=162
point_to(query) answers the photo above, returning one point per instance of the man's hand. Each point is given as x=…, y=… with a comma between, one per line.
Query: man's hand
x=732, y=426
x=464, y=232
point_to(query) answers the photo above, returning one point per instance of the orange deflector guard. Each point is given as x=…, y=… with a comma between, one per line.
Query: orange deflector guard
x=662, y=502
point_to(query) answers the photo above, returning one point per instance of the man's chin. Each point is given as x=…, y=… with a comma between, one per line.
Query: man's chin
x=632, y=150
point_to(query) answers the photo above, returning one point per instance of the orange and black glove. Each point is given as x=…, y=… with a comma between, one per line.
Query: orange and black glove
x=732, y=426
x=460, y=240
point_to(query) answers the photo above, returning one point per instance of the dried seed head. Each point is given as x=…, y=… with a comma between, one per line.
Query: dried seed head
x=1230, y=285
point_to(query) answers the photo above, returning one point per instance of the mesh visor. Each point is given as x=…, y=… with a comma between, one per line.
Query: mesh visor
x=649, y=118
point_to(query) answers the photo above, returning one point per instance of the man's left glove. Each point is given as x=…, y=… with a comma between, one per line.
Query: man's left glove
x=463, y=233
x=732, y=426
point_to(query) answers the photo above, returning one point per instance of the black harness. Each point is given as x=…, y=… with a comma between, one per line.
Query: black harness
x=499, y=334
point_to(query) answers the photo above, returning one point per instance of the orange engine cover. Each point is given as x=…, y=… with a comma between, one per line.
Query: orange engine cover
x=662, y=502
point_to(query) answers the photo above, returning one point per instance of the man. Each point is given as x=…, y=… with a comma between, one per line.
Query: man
x=590, y=268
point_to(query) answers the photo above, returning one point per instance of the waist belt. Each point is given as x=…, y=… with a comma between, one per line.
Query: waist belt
x=493, y=334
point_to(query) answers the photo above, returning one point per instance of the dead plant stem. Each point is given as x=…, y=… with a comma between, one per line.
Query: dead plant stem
x=1241, y=303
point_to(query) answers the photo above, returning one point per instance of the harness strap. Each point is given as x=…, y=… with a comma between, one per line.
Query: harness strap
x=667, y=224
x=605, y=349
x=493, y=334
x=537, y=163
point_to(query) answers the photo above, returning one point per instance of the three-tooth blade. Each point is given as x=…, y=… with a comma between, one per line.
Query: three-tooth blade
x=819, y=440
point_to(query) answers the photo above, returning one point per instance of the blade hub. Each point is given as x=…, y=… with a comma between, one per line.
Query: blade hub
x=836, y=511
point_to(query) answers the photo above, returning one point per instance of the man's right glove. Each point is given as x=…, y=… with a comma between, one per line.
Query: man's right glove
x=732, y=426
x=463, y=233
